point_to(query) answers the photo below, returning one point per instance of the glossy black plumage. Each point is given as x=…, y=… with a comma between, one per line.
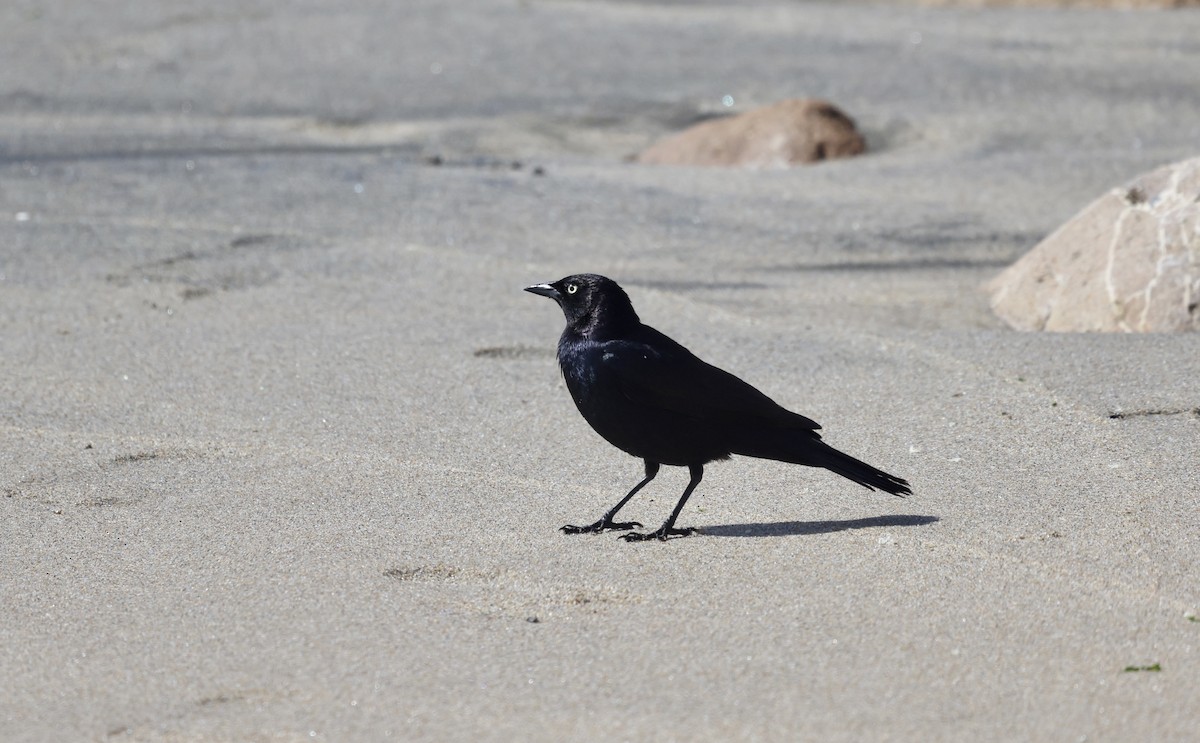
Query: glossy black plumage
x=651, y=397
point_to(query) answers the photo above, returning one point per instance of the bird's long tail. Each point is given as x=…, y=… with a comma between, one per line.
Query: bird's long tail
x=805, y=447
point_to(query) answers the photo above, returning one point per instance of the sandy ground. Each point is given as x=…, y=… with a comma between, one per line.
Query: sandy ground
x=284, y=449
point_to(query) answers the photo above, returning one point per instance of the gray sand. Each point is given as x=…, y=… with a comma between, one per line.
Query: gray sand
x=284, y=449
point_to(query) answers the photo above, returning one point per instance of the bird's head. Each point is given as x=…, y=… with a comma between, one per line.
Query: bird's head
x=591, y=303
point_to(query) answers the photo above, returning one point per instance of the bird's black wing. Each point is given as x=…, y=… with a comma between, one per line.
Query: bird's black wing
x=655, y=371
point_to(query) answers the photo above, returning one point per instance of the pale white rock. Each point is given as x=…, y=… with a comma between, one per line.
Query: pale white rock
x=1129, y=262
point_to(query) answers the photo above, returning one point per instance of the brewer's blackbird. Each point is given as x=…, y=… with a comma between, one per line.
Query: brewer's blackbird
x=654, y=399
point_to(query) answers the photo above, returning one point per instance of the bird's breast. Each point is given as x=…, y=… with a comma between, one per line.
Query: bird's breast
x=582, y=372
x=642, y=430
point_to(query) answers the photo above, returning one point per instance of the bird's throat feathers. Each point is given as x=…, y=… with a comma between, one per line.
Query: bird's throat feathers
x=604, y=318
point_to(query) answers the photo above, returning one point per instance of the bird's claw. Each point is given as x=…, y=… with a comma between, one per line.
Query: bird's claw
x=599, y=526
x=661, y=535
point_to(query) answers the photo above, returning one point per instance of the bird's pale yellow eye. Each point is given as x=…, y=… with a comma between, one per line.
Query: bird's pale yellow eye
x=572, y=288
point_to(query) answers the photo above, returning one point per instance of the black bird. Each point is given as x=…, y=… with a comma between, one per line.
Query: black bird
x=651, y=397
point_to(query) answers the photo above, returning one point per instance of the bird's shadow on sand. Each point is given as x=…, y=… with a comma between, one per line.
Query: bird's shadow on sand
x=799, y=528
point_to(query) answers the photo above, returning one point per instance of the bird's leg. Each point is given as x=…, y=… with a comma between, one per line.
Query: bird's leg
x=668, y=529
x=606, y=522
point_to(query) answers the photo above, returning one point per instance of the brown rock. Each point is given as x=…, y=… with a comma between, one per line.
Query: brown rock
x=777, y=136
x=1128, y=262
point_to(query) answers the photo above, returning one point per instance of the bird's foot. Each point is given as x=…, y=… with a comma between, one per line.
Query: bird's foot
x=599, y=526
x=661, y=535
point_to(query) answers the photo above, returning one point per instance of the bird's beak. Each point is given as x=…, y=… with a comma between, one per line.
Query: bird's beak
x=545, y=290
